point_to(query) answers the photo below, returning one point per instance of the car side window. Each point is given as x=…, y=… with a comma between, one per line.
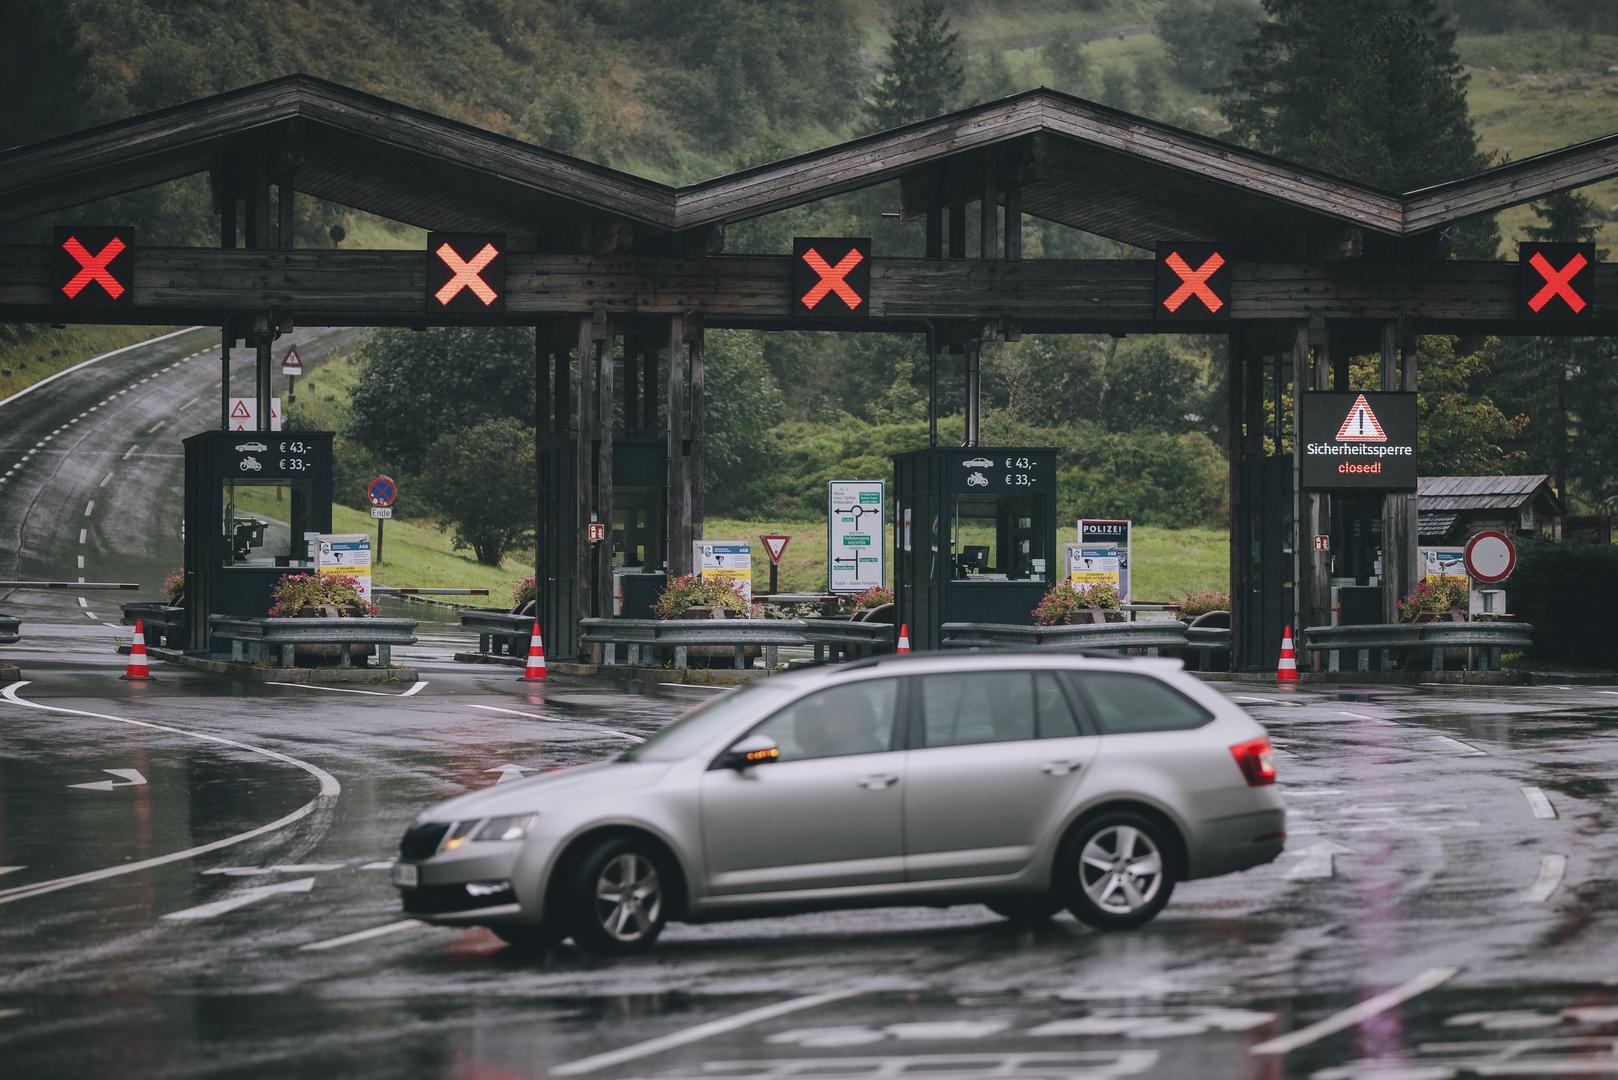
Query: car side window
x=993, y=706
x=855, y=718
x=1125, y=704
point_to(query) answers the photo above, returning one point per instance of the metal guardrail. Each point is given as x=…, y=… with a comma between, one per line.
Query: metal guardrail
x=1204, y=642
x=394, y=590
x=1151, y=636
x=162, y=623
x=643, y=636
x=841, y=639
x=10, y=629
x=1417, y=639
x=273, y=641
x=497, y=630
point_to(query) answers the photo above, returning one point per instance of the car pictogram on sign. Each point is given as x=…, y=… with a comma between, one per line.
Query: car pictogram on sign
x=831, y=277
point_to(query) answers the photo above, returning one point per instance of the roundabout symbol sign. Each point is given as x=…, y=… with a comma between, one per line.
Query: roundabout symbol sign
x=1490, y=556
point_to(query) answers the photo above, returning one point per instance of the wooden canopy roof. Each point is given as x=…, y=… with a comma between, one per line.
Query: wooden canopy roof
x=1073, y=161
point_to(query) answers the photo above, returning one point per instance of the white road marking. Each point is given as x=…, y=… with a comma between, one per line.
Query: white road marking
x=83, y=602
x=242, y=899
x=94, y=360
x=82, y=415
x=329, y=789
x=1552, y=869
x=105, y=480
x=380, y=864
x=82, y=534
x=416, y=688
x=81, y=562
x=509, y=772
x=1357, y=1014
x=4, y=870
x=90, y=615
x=1317, y=861
x=332, y=689
x=554, y=720
x=1539, y=802
x=131, y=778
x=89, y=508
x=188, y=404
x=282, y=868
x=699, y=1032
x=362, y=935
x=1455, y=744
x=131, y=450
x=7, y=1014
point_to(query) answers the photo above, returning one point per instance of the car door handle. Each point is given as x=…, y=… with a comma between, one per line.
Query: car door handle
x=878, y=780
x=1061, y=768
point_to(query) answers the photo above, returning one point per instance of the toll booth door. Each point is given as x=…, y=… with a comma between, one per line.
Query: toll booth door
x=557, y=539
x=1262, y=595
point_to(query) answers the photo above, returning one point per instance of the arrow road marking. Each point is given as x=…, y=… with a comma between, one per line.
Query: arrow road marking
x=1357, y=1014
x=242, y=899
x=131, y=777
x=509, y=772
x=1317, y=861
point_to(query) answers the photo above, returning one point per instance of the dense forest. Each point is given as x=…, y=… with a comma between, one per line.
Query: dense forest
x=1398, y=93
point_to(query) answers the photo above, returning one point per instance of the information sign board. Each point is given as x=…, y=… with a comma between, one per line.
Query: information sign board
x=856, y=519
x=346, y=555
x=1438, y=563
x=1364, y=442
x=382, y=513
x=730, y=561
x=1089, y=565
x=1108, y=539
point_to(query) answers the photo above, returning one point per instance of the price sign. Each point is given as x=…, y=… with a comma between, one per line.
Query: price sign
x=1019, y=471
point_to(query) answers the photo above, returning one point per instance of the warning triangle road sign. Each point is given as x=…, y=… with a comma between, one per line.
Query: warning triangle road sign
x=292, y=363
x=775, y=546
x=240, y=411
x=1361, y=424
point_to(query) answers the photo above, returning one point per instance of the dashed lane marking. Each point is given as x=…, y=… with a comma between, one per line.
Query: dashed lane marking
x=1357, y=1014
x=96, y=359
x=89, y=508
x=329, y=789
x=90, y=615
x=82, y=534
x=1455, y=744
x=361, y=935
x=83, y=602
x=690, y=1035
x=105, y=480
x=555, y=720
x=81, y=562
x=1539, y=802
x=279, y=868
x=130, y=451
x=1552, y=869
x=417, y=687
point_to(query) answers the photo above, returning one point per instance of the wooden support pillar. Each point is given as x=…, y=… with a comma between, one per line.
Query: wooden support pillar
x=1236, y=401
x=680, y=532
x=1400, y=513
x=605, y=401
x=697, y=413
x=989, y=215
x=1013, y=240
x=1312, y=590
x=974, y=386
x=584, y=460
x=648, y=347
x=562, y=386
x=957, y=230
x=544, y=347
x=935, y=232
x=283, y=211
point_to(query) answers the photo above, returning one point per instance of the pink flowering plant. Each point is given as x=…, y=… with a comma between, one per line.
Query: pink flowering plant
x=298, y=593
x=1064, y=601
x=873, y=597
x=524, y=592
x=1434, y=597
x=689, y=591
x=174, y=586
x=1200, y=603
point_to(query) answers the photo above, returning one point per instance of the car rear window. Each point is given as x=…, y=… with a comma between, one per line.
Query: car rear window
x=994, y=706
x=1125, y=704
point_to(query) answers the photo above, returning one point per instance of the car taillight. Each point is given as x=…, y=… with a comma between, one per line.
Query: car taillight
x=1256, y=760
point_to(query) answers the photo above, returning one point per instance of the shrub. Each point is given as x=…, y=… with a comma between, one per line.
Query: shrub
x=873, y=597
x=524, y=591
x=1200, y=603
x=296, y=592
x=1434, y=597
x=1064, y=601
x=1565, y=590
x=174, y=586
x=689, y=591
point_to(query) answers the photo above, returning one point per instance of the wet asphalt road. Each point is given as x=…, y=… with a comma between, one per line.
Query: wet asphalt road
x=1445, y=907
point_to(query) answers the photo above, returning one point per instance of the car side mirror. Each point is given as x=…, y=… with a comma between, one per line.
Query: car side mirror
x=753, y=750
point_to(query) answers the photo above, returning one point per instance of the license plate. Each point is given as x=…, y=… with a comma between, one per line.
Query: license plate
x=405, y=875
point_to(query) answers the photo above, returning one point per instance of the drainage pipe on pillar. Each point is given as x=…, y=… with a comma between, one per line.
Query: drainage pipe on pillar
x=265, y=339
x=973, y=397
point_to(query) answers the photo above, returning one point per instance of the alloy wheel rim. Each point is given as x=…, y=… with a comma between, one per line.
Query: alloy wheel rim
x=1121, y=869
x=629, y=897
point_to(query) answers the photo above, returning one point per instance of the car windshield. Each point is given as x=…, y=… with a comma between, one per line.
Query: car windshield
x=701, y=725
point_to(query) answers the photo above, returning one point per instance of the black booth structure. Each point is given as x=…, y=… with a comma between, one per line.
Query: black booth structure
x=233, y=559
x=975, y=538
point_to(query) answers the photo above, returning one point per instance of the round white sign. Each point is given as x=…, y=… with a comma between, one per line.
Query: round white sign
x=1490, y=556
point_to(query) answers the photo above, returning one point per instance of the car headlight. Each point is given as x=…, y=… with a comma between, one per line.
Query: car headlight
x=514, y=827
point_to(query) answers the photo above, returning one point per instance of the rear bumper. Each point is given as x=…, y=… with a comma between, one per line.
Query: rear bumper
x=1238, y=842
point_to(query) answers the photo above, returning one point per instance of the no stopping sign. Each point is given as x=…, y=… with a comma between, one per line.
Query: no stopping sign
x=1490, y=556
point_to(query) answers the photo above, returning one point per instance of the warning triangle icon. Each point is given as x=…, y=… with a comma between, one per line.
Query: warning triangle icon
x=239, y=412
x=1361, y=424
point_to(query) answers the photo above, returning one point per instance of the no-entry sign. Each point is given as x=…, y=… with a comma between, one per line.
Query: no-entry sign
x=1490, y=556
x=831, y=277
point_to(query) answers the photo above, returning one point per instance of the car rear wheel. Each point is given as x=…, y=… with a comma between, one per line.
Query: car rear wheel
x=615, y=901
x=1027, y=910
x=1116, y=871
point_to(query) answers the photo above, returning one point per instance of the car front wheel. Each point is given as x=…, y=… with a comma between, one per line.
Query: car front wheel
x=1116, y=871
x=616, y=902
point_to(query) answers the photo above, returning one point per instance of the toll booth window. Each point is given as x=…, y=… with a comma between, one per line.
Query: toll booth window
x=637, y=528
x=998, y=538
x=257, y=525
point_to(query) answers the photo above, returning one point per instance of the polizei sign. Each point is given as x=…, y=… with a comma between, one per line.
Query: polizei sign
x=1364, y=442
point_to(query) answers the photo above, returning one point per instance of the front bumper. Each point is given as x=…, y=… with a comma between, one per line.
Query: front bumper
x=474, y=884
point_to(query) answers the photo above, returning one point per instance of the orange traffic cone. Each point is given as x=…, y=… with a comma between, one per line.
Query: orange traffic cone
x=904, y=638
x=535, y=671
x=137, y=671
x=1287, y=670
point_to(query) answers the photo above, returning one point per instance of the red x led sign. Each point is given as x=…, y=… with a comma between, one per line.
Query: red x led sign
x=93, y=267
x=1192, y=282
x=1556, y=281
x=466, y=272
x=831, y=277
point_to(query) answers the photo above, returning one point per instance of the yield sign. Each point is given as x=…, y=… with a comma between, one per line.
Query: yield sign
x=775, y=545
x=466, y=272
x=93, y=267
x=1556, y=281
x=1360, y=425
x=831, y=277
x=292, y=363
x=1192, y=281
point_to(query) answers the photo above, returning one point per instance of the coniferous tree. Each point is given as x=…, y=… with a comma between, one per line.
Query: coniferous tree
x=924, y=71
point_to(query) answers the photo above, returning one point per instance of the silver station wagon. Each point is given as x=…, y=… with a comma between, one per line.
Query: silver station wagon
x=1026, y=782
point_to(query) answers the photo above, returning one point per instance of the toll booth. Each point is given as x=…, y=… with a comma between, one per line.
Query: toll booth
x=638, y=534
x=253, y=501
x=975, y=536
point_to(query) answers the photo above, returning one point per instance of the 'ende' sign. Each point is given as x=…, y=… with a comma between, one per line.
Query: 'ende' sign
x=1364, y=442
